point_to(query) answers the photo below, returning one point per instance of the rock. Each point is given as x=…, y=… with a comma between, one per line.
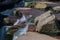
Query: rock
x=43, y=19
x=47, y=24
x=35, y=36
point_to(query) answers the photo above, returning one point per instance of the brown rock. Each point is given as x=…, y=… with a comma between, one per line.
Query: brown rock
x=35, y=36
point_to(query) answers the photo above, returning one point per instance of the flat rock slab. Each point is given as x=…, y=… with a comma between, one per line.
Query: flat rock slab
x=35, y=36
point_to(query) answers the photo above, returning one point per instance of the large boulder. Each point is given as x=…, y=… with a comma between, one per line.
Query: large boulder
x=47, y=23
x=35, y=36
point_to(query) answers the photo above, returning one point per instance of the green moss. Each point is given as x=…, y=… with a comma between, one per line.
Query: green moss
x=31, y=19
x=30, y=4
x=50, y=29
x=9, y=36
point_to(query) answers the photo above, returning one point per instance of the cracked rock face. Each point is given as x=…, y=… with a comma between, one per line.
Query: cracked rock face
x=35, y=36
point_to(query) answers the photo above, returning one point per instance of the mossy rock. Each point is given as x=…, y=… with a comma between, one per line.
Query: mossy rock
x=9, y=36
x=50, y=29
x=31, y=4
x=10, y=33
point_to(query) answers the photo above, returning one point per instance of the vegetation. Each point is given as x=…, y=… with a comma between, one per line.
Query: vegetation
x=31, y=4
x=31, y=19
